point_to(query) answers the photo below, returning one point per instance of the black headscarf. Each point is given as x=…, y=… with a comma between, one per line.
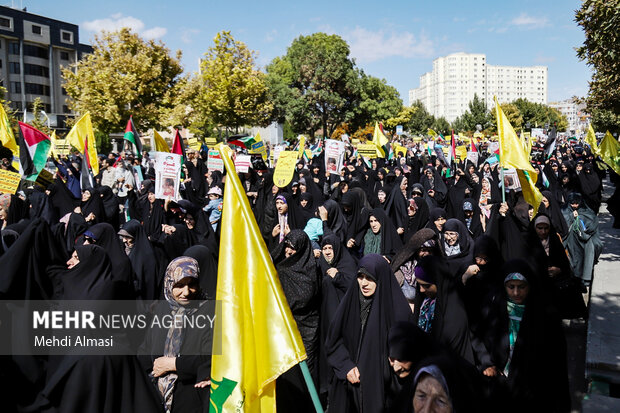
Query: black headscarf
x=465, y=242
x=336, y=221
x=357, y=218
x=91, y=279
x=301, y=285
x=208, y=269
x=93, y=205
x=434, y=215
x=350, y=345
x=396, y=205
x=418, y=221
x=105, y=236
x=390, y=240
x=555, y=214
x=450, y=326
x=148, y=277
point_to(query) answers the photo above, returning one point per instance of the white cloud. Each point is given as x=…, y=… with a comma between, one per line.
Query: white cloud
x=530, y=22
x=369, y=46
x=118, y=21
x=188, y=35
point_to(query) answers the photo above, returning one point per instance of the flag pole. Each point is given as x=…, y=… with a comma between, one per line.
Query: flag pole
x=501, y=169
x=311, y=388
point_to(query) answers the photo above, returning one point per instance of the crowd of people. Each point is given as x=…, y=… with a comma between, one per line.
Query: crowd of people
x=416, y=286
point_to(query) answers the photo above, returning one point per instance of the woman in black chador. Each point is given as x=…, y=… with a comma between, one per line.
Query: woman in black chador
x=357, y=342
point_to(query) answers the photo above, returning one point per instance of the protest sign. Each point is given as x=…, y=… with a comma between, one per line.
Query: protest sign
x=242, y=163
x=334, y=154
x=367, y=150
x=214, y=162
x=9, y=181
x=284, y=169
x=167, y=175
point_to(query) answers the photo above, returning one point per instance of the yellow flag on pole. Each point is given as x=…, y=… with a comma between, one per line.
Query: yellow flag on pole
x=82, y=133
x=258, y=335
x=302, y=146
x=591, y=140
x=6, y=133
x=512, y=154
x=379, y=140
x=610, y=152
x=160, y=143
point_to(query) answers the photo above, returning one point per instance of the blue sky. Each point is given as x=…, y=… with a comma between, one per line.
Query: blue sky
x=395, y=40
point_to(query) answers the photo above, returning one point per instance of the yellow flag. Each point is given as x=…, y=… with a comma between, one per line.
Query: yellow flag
x=512, y=155
x=379, y=140
x=610, y=152
x=591, y=140
x=160, y=143
x=432, y=132
x=6, y=133
x=259, y=337
x=258, y=147
x=80, y=133
x=302, y=146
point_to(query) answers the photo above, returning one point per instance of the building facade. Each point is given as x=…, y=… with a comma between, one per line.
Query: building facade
x=456, y=78
x=578, y=119
x=33, y=52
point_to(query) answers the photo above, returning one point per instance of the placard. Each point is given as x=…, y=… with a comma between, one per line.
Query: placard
x=285, y=168
x=214, y=162
x=334, y=154
x=493, y=147
x=243, y=163
x=367, y=150
x=167, y=175
x=210, y=142
x=9, y=181
x=399, y=130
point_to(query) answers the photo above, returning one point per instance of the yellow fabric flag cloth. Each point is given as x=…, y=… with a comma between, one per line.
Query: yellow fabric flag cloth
x=379, y=140
x=160, y=143
x=80, y=133
x=610, y=152
x=512, y=154
x=302, y=146
x=258, y=335
x=6, y=133
x=591, y=140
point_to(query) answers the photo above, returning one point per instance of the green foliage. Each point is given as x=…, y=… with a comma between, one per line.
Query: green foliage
x=539, y=115
x=315, y=85
x=421, y=120
x=477, y=114
x=378, y=102
x=230, y=90
x=39, y=121
x=605, y=120
x=441, y=125
x=402, y=118
x=600, y=20
x=125, y=75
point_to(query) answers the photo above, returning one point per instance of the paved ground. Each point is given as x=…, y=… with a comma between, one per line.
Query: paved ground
x=594, y=346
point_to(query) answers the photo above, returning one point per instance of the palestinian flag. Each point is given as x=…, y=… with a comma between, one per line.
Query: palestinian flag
x=242, y=141
x=178, y=146
x=34, y=148
x=132, y=136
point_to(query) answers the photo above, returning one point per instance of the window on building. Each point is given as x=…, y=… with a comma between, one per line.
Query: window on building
x=35, y=51
x=16, y=87
x=6, y=23
x=16, y=105
x=65, y=109
x=0, y=64
x=14, y=68
x=37, y=89
x=64, y=91
x=66, y=36
x=36, y=29
x=14, y=48
x=36, y=70
x=64, y=55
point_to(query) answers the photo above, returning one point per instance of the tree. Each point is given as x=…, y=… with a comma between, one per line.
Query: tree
x=477, y=114
x=232, y=92
x=38, y=120
x=315, y=85
x=600, y=20
x=513, y=114
x=421, y=120
x=124, y=76
x=378, y=102
x=441, y=125
x=539, y=115
x=403, y=118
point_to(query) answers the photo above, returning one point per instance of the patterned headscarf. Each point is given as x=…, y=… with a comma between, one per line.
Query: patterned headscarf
x=5, y=201
x=178, y=269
